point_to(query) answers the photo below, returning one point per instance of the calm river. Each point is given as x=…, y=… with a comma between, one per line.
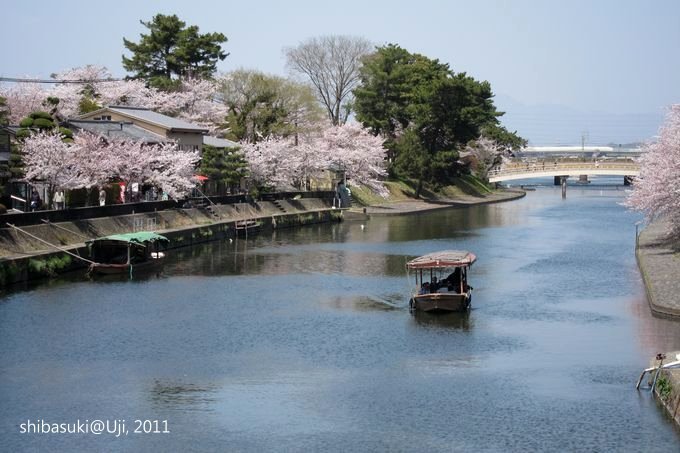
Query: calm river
x=301, y=340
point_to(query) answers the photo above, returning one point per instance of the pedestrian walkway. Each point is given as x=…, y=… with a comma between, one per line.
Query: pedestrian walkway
x=411, y=206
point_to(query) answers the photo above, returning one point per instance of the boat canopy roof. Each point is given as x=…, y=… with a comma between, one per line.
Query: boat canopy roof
x=445, y=258
x=139, y=237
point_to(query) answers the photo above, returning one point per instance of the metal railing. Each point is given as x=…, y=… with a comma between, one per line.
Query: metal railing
x=528, y=168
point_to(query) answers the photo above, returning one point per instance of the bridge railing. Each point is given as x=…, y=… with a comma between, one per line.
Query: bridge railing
x=515, y=168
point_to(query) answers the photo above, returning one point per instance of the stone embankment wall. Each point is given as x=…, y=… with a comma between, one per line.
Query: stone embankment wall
x=657, y=258
x=667, y=390
x=659, y=262
x=24, y=258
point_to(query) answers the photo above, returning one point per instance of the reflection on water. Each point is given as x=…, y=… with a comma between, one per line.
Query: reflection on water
x=301, y=339
x=182, y=396
x=386, y=302
x=461, y=321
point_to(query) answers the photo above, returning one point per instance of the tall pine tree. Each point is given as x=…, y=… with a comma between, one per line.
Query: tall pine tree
x=171, y=51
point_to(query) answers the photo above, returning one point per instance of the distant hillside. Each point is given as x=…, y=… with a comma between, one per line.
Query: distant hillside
x=561, y=125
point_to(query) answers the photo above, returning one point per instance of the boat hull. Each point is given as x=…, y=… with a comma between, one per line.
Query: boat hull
x=118, y=269
x=247, y=228
x=441, y=302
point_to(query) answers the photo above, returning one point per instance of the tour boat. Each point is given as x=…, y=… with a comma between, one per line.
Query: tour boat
x=441, y=281
x=123, y=253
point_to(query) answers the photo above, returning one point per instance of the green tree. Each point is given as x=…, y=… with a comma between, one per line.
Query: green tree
x=223, y=166
x=172, y=50
x=507, y=140
x=34, y=122
x=261, y=105
x=404, y=97
x=4, y=112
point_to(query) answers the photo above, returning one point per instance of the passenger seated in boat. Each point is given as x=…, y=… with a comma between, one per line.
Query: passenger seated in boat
x=138, y=255
x=120, y=258
x=425, y=289
x=453, y=280
x=435, y=285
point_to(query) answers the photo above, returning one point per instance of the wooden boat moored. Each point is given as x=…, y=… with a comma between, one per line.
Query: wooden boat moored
x=247, y=227
x=123, y=253
x=441, y=281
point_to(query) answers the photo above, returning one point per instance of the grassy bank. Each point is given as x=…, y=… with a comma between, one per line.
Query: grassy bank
x=405, y=190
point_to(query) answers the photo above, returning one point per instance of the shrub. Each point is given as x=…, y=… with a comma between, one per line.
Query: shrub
x=23, y=133
x=26, y=122
x=49, y=266
x=41, y=115
x=51, y=101
x=664, y=388
x=7, y=272
x=87, y=105
x=43, y=123
x=67, y=133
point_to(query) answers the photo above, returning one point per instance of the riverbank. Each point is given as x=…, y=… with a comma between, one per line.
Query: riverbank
x=667, y=389
x=400, y=207
x=25, y=255
x=659, y=263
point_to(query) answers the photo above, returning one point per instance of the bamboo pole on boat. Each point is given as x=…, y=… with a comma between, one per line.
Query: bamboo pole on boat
x=50, y=244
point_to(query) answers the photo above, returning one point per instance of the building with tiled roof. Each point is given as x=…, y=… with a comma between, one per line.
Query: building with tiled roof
x=187, y=135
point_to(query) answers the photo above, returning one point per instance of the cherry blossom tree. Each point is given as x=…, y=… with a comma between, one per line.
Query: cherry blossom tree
x=483, y=153
x=196, y=100
x=163, y=165
x=279, y=162
x=172, y=169
x=93, y=161
x=656, y=191
x=97, y=88
x=357, y=151
x=51, y=161
x=22, y=99
x=271, y=161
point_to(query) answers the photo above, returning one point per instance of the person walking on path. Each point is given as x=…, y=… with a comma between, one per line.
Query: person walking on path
x=59, y=199
x=36, y=202
x=102, y=197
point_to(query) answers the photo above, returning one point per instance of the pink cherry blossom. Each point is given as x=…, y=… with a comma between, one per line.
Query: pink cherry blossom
x=279, y=162
x=51, y=161
x=656, y=191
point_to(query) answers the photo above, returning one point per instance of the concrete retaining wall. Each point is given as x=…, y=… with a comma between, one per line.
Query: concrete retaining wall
x=667, y=390
x=23, y=258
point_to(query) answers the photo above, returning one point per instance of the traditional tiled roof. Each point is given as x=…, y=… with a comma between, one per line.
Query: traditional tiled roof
x=219, y=142
x=149, y=116
x=157, y=118
x=115, y=129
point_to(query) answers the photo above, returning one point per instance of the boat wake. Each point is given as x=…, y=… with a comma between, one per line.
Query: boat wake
x=395, y=300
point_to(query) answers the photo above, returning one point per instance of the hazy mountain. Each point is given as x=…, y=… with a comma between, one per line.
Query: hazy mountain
x=562, y=125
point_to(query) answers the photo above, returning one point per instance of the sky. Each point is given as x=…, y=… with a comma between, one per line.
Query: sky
x=563, y=71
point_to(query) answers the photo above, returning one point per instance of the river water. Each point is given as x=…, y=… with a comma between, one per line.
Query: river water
x=301, y=340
